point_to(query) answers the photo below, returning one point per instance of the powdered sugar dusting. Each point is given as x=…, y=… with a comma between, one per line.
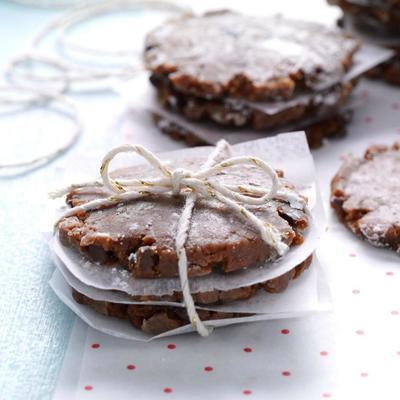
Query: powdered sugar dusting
x=372, y=186
x=218, y=47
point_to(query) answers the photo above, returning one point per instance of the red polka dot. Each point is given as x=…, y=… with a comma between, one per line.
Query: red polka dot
x=355, y=291
x=398, y=353
x=364, y=93
x=208, y=369
x=285, y=331
x=364, y=374
x=359, y=332
x=247, y=392
x=389, y=273
x=247, y=349
x=131, y=367
x=167, y=390
x=88, y=387
x=171, y=346
x=352, y=254
x=326, y=395
x=286, y=373
x=342, y=157
x=368, y=120
x=396, y=106
x=95, y=345
x=394, y=312
x=323, y=353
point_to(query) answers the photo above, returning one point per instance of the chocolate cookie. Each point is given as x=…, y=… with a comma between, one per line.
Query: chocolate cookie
x=381, y=16
x=157, y=319
x=377, y=35
x=231, y=112
x=389, y=71
x=225, y=54
x=365, y=194
x=140, y=234
x=376, y=22
x=276, y=285
x=150, y=319
x=316, y=132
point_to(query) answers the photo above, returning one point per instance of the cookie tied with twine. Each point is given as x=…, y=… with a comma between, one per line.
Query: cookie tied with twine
x=193, y=185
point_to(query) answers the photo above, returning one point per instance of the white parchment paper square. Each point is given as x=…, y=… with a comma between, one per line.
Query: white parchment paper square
x=276, y=306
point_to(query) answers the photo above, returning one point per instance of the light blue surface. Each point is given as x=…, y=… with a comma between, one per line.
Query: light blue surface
x=34, y=325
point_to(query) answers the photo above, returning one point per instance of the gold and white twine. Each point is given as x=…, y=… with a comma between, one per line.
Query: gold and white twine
x=191, y=185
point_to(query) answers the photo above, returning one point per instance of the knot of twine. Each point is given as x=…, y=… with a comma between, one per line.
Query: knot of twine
x=192, y=185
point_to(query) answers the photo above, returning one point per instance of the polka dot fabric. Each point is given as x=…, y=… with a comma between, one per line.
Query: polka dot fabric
x=353, y=352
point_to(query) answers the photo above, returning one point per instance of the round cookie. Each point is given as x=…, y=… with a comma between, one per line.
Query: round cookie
x=365, y=194
x=222, y=53
x=377, y=35
x=140, y=234
x=389, y=70
x=148, y=318
x=157, y=319
x=276, y=285
x=378, y=17
x=231, y=112
x=328, y=128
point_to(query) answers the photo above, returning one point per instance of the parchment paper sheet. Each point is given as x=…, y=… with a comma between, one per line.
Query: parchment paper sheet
x=262, y=302
x=286, y=305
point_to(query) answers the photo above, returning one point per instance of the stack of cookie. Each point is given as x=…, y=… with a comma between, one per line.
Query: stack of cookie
x=267, y=74
x=378, y=22
x=171, y=243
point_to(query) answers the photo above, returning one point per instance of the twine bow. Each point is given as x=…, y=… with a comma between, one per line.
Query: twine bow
x=192, y=185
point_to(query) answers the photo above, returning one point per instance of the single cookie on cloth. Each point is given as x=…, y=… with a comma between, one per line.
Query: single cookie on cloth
x=365, y=194
x=267, y=74
x=209, y=218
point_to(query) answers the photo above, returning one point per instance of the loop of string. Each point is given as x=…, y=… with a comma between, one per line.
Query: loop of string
x=76, y=70
x=19, y=98
x=50, y=89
